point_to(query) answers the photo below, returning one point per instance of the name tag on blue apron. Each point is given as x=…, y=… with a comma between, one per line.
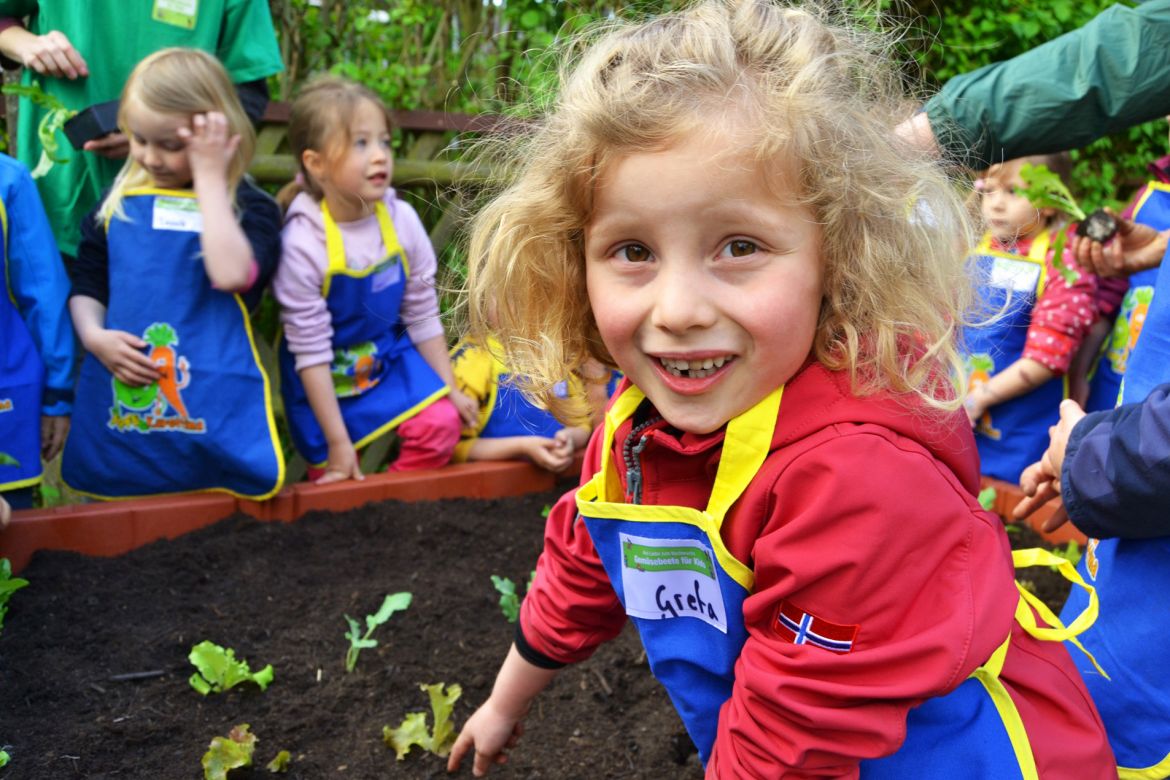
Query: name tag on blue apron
x=1018, y=275
x=180, y=214
x=670, y=578
x=389, y=272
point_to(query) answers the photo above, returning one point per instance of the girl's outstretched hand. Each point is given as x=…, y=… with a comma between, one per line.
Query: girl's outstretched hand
x=121, y=353
x=343, y=464
x=210, y=144
x=547, y=453
x=487, y=733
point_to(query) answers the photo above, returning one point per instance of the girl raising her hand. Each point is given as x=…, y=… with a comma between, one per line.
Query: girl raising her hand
x=172, y=396
x=364, y=352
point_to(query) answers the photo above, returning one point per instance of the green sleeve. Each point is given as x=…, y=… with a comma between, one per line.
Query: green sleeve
x=247, y=42
x=1104, y=77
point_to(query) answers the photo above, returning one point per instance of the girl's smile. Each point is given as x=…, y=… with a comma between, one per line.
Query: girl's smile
x=704, y=278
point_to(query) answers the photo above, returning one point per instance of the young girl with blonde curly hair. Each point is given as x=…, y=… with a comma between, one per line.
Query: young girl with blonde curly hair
x=782, y=498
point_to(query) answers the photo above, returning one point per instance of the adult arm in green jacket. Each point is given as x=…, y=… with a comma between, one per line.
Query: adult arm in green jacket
x=1108, y=75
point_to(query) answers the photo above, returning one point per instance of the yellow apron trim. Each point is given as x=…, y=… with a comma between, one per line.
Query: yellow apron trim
x=4, y=227
x=335, y=247
x=1151, y=188
x=1158, y=771
x=394, y=423
x=745, y=446
x=988, y=676
x=22, y=483
x=1058, y=632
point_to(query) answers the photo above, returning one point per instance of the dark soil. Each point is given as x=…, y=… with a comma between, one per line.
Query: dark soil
x=276, y=593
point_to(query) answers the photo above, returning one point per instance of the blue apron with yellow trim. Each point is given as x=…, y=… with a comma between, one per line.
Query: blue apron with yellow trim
x=207, y=423
x=684, y=592
x=378, y=375
x=22, y=381
x=1132, y=577
x=1105, y=386
x=1014, y=434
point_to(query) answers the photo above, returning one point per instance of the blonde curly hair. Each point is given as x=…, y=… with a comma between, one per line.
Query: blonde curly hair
x=824, y=94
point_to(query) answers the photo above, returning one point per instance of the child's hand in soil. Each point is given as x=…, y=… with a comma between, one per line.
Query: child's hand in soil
x=343, y=464
x=547, y=453
x=1134, y=248
x=121, y=353
x=488, y=732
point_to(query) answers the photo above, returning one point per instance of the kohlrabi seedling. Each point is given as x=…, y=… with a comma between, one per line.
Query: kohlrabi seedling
x=359, y=641
x=219, y=670
x=1044, y=189
x=509, y=598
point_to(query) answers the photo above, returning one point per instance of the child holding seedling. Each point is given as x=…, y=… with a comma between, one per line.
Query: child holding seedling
x=172, y=396
x=1039, y=306
x=511, y=427
x=363, y=352
x=36, y=340
x=782, y=497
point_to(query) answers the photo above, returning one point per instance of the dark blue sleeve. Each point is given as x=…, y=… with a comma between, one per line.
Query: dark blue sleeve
x=1115, y=481
x=260, y=219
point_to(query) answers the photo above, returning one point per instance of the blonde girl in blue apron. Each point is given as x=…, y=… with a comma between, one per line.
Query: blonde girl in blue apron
x=1016, y=360
x=782, y=497
x=364, y=352
x=172, y=396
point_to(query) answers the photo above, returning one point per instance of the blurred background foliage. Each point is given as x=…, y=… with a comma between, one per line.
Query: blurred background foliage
x=475, y=56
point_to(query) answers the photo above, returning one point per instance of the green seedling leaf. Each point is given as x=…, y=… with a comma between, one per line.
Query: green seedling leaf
x=987, y=498
x=1071, y=552
x=4, y=758
x=8, y=586
x=227, y=753
x=280, y=763
x=545, y=511
x=219, y=670
x=413, y=730
x=509, y=601
x=56, y=115
x=1044, y=189
x=358, y=641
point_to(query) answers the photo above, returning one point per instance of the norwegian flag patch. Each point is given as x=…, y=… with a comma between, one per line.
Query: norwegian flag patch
x=795, y=625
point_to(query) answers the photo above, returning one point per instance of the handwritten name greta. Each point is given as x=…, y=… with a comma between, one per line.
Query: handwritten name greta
x=146, y=423
x=677, y=603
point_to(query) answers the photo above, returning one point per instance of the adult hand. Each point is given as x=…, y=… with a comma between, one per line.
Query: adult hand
x=53, y=431
x=51, y=54
x=121, y=353
x=112, y=146
x=210, y=144
x=343, y=464
x=1136, y=247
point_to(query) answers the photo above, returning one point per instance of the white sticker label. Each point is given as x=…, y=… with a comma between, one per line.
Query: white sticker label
x=180, y=13
x=1017, y=275
x=671, y=578
x=389, y=272
x=177, y=214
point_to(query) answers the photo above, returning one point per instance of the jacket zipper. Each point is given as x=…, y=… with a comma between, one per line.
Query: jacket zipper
x=631, y=451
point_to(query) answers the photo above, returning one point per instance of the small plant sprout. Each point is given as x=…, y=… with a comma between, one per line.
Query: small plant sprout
x=509, y=598
x=4, y=757
x=227, y=753
x=1044, y=189
x=8, y=586
x=413, y=730
x=219, y=670
x=987, y=498
x=280, y=762
x=357, y=640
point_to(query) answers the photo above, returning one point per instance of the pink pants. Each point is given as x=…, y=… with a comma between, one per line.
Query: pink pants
x=427, y=440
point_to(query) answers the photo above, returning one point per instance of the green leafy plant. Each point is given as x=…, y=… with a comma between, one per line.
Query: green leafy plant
x=509, y=598
x=280, y=762
x=413, y=730
x=1071, y=552
x=1044, y=189
x=357, y=640
x=219, y=670
x=987, y=498
x=227, y=753
x=56, y=115
x=4, y=758
x=8, y=586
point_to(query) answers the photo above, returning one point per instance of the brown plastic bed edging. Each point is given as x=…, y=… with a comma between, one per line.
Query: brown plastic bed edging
x=1008, y=495
x=112, y=528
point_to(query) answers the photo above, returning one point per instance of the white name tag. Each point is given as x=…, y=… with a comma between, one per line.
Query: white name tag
x=1017, y=275
x=180, y=13
x=671, y=578
x=386, y=276
x=177, y=214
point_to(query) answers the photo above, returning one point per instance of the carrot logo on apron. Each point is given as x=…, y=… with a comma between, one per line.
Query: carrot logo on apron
x=157, y=407
x=980, y=367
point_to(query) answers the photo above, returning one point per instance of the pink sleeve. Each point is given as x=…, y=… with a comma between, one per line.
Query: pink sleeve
x=1062, y=316
x=420, y=303
x=308, y=326
x=870, y=534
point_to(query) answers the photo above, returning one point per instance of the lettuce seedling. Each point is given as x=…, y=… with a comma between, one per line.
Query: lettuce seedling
x=413, y=730
x=56, y=115
x=359, y=641
x=227, y=753
x=8, y=586
x=509, y=598
x=280, y=762
x=219, y=670
x=1044, y=189
x=4, y=758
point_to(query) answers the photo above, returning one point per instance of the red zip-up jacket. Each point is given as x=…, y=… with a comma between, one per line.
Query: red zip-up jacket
x=864, y=514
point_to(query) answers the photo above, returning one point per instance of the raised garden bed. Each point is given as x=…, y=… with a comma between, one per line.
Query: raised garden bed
x=277, y=593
